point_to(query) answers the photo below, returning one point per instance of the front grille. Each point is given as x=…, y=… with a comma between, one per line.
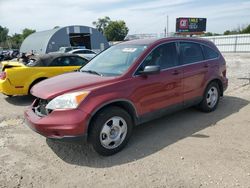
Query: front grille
x=40, y=107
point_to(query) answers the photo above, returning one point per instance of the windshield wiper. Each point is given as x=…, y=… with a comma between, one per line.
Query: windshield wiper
x=92, y=72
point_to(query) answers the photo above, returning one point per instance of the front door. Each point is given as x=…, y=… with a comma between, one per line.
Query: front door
x=156, y=93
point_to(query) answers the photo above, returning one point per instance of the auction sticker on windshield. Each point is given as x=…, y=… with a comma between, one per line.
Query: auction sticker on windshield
x=129, y=50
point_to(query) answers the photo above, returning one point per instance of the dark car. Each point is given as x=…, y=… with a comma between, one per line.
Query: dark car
x=126, y=85
x=9, y=54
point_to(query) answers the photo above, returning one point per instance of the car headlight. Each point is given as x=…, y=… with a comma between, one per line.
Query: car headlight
x=67, y=101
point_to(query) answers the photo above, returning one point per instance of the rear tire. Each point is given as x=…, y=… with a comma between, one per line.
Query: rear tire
x=211, y=98
x=110, y=130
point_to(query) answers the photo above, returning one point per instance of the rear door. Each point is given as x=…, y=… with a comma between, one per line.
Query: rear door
x=194, y=71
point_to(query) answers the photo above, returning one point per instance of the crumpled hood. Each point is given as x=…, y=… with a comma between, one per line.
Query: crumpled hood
x=67, y=82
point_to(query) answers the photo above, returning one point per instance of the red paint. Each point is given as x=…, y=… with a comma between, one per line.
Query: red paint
x=147, y=94
x=19, y=87
x=3, y=75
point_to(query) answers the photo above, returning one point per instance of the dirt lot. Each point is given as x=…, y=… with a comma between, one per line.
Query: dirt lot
x=186, y=149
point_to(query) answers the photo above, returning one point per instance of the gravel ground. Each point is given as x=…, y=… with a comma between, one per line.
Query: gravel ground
x=186, y=149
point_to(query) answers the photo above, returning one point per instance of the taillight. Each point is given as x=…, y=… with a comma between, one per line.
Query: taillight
x=3, y=75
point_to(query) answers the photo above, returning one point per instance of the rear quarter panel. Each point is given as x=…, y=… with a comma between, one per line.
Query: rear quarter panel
x=215, y=70
x=25, y=76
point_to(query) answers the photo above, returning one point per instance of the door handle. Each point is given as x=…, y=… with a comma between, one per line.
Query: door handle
x=175, y=72
x=206, y=66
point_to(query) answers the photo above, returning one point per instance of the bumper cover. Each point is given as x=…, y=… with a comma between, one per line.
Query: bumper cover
x=58, y=124
x=225, y=84
x=8, y=89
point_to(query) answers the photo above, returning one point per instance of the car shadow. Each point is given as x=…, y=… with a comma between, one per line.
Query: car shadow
x=150, y=137
x=20, y=100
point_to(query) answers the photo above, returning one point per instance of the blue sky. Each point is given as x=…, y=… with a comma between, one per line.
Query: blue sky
x=141, y=16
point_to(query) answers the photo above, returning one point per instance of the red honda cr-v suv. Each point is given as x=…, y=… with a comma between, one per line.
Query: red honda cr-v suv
x=126, y=85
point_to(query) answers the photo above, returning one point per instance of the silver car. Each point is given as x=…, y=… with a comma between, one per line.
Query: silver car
x=86, y=53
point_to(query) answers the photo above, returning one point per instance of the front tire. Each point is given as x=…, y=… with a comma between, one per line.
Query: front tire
x=211, y=98
x=110, y=130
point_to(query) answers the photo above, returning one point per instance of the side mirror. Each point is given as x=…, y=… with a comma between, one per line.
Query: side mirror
x=152, y=69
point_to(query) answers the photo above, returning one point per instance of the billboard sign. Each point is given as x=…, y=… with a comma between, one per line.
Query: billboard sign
x=190, y=25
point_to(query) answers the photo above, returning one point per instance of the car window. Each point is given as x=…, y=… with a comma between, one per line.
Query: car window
x=56, y=62
x=61, y=61
x=190, y=52
x=209, y=53
x=77, y=61
x=83, y=52
x=67, y=49
x=89, y=52
x=165, y=56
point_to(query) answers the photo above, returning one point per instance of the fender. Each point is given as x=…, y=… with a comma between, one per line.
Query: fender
x=217, y=78
x=115, y=102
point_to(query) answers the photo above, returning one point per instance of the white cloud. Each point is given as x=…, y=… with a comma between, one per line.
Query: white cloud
x=144, y=17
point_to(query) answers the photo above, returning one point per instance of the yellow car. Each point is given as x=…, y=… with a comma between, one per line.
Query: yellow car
x=17, y=78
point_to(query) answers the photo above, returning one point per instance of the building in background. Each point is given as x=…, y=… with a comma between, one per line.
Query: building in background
x=76, y=36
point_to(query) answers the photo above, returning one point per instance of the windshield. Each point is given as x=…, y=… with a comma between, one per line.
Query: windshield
x=114, y=61
x=31, y=62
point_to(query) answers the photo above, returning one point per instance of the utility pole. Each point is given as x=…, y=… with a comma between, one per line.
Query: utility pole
x=167, y=27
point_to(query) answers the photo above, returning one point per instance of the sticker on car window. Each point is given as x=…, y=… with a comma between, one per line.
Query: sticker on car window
x=129, y=50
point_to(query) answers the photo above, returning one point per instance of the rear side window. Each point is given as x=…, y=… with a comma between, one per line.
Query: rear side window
x=60, y=61
x=56, y=62
x=83, y=52
x=88, y=52
x=209, y=53
x=190, y=52
x=77, y=61
x=79, y=52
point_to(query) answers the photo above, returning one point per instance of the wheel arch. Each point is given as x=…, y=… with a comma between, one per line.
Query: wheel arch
x=219, y=82
x=35, y=82
x=126, y=105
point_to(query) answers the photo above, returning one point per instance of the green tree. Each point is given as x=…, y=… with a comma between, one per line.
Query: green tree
x=238, y=30
x=27, y=32
x=15, y=41
x=116, y=31
x=101, y=23
x=246, y=29
x=3, y=33
x=208, y=34
x=227, y=32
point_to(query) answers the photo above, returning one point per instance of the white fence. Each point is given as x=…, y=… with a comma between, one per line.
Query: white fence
x=226, y=43
x=232, y=43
